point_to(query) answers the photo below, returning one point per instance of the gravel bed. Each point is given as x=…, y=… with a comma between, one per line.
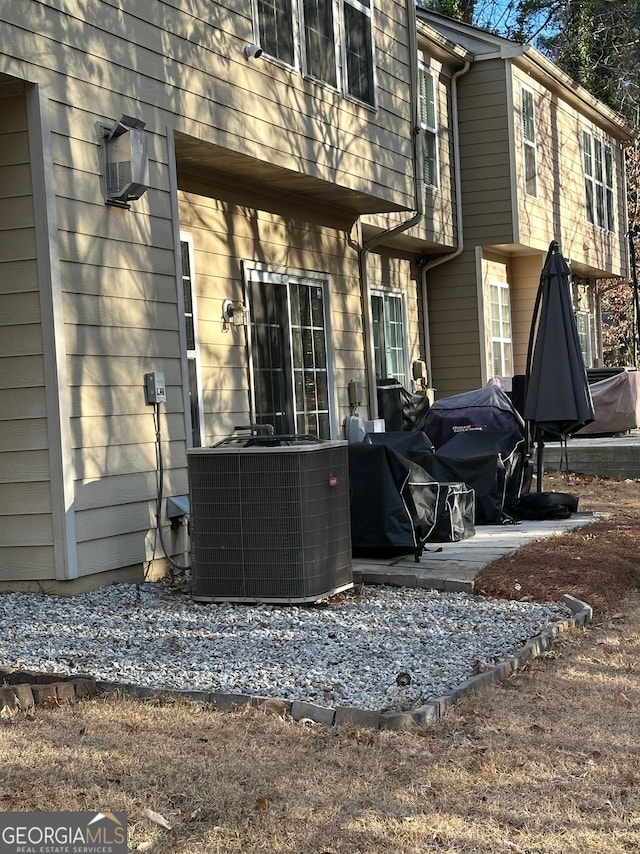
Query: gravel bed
x=384, y=648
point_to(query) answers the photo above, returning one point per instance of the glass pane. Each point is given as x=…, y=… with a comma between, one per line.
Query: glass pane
x=296, y=341
x=600, y=204
x=588, y=158
x=320, y=356
x=275, y=22
x=430, y=161
x=588, y=188
x=507, y=368
x=304, y=301
x=378, y=334
x=322, y=390
x=307, y=348
x=608, y=166
x=323, y=426
x=359, y=54
x=298, y=381
x=496, y=359
x=597, y=159
x=610, y=216
x=196, y=439
x=320, y=47
x=530, y=170
x=317, y=307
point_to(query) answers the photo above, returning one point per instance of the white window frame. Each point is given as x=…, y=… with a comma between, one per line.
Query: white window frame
x=599, y=184
x=192, y=355
x=301, y=61
x=364, y=7
x=529, y=144
x=501, y=343
x=429, y=129
x=387, y=295
x=332, y=84
x=295, y=63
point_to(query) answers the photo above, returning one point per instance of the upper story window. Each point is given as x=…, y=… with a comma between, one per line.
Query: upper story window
x=597, y=161
x=428, y=123
x=305, y=34
x=358, y=50
x=319, y=40
x=275, y=28
x=529, y=143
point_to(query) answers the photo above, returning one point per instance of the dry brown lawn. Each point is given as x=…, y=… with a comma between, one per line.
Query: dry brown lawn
x=548, y=761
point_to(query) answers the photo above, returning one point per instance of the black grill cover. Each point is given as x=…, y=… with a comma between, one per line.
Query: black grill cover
x=491, y=463
x=390, y=507
x=486, y=409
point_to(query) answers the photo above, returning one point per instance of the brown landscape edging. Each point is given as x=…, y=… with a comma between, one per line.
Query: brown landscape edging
x=24, y=690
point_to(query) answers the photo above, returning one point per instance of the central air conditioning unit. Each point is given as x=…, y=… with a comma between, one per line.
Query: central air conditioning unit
x=270, y=520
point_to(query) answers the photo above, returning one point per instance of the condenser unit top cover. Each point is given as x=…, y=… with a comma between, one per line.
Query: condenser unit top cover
x=270, y=523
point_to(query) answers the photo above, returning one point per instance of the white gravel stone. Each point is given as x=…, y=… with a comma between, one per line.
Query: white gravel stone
x=347, y=652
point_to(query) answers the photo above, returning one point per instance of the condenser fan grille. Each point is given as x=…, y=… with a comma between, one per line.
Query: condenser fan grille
x=270, y=523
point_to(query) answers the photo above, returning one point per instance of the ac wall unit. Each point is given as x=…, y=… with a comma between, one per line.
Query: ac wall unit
x=270, y=522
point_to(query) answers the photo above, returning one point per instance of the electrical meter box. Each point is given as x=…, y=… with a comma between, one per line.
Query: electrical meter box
x=154, y=388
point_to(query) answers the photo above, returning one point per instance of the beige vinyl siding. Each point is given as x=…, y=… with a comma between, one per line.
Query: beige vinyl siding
x=394, y=275
x=559, y=210
x=187, y=68
x=454, y=326
x=485, y=154
x=438, y=226
x=224, y=236
x=524, y=273
x=26, y=533
x=440, y=201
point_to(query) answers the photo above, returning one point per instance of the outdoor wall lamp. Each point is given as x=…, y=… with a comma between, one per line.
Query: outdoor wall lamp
x=234, y=312
x=126, y=161
x=252, y=51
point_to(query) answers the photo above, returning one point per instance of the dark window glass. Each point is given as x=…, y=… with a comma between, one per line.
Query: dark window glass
x=319, y=40
x=359, y=53
x=275, y=23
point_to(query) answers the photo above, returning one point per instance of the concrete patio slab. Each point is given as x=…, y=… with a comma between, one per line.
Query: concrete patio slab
x=454, y=566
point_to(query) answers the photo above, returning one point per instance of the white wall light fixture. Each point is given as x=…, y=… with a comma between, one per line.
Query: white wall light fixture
x=126, y=161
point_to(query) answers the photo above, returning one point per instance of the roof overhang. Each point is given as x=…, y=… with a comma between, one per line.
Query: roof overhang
x=484, y=45
x=209, y=169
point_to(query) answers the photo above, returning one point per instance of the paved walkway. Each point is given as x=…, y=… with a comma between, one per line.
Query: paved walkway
x=454, y=566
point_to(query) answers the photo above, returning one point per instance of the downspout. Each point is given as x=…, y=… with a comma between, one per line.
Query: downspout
x=376, y=240
x=459, y=226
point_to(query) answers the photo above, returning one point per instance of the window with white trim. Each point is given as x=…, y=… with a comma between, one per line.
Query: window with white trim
x=529, y=142
x=500, y=322
x=319, y=40
x=389, y=336
x=275, y=28
x=358, y=50
x=306, y=35
x=193, y=347
x=429, y=126
x=288, y=353
x=597, y=162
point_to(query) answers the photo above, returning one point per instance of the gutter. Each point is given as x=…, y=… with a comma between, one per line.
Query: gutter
x=459, y=224
x=365, y=248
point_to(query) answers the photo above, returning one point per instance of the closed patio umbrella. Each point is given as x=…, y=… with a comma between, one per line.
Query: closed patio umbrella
x=558, y=400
